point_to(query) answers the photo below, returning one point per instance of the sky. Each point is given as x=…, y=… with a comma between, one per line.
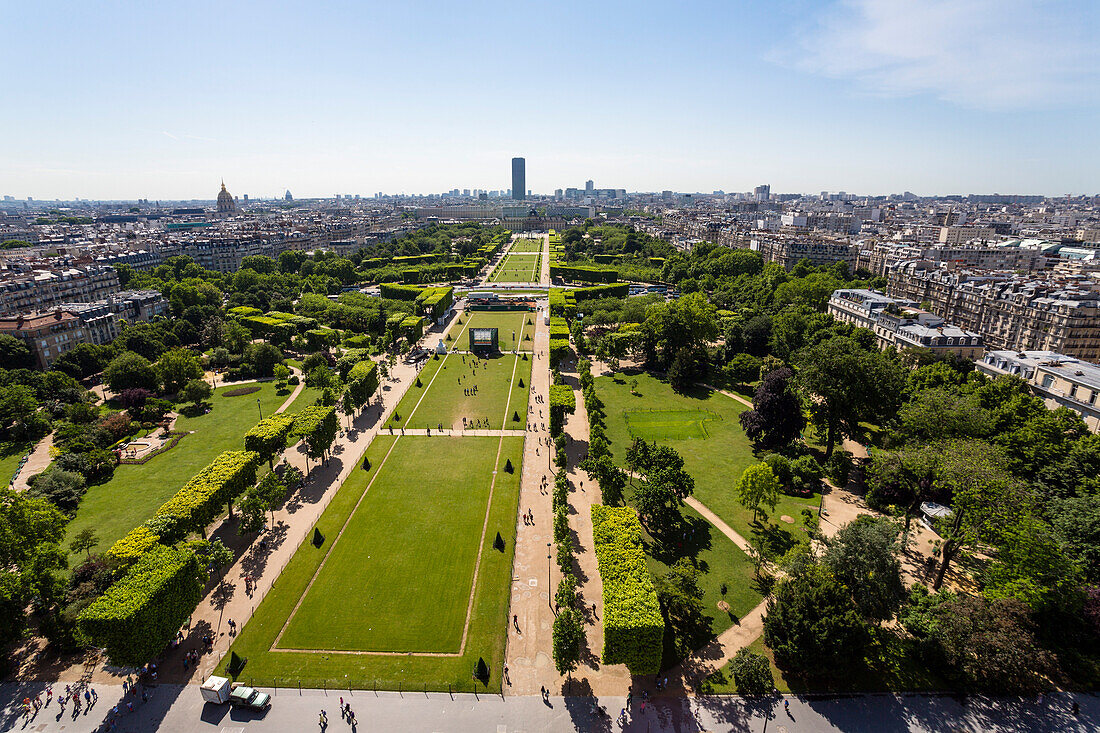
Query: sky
x=120, y=100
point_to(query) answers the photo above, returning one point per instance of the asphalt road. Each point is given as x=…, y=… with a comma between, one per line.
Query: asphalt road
x=181, y=710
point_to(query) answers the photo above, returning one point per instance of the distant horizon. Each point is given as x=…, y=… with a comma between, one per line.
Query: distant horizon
x=370, y=197
x=117, y=102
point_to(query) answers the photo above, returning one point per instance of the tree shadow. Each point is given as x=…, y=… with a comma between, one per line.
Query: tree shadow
x=584, y=708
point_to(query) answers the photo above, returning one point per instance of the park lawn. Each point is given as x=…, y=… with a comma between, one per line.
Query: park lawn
x=526, y=245
x=715, y=462
x=517, y=268
x=11, y=452
x=891, y=664
x=308, y=396
x=719, y=561
x=506, y=323
x=487, y=631
x=440, y=396
x=409, y=570
x=135, y=492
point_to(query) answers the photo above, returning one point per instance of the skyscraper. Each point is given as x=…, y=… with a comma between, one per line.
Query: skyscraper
x=519, y=178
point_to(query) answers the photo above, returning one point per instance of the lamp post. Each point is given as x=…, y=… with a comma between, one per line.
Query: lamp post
x=260, y=408
x=549, y=596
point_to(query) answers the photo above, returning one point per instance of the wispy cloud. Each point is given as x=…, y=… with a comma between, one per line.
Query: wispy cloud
x=185, y=136
x=993, y=54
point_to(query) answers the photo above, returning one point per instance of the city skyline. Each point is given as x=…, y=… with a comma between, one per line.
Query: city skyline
x=865, y=96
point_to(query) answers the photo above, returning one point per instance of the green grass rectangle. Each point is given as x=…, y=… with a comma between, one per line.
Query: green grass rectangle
x=442, y=397
x=520, y=323
x=399, y=577
x=486, y=634
x=661, y=425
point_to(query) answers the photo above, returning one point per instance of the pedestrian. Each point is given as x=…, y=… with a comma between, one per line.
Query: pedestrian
x=515, y=622
x=342, y=711
x=95, y=695
x=787, y=706
x=129, y=706
x=87, y=698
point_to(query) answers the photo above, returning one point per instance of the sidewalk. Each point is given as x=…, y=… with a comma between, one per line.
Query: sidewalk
x=176, y=709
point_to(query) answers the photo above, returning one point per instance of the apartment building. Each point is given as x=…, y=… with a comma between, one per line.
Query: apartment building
x=104, y=320
x=901, y=324
x=1011, y=311
x=1059, y=380
x=48, y=334
x=42, y=289
x=962, y=235
x=789, y=251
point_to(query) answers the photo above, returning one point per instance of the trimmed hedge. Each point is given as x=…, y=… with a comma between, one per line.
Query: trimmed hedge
x=559, y=349
x=268, y=437
x=140, y=614
x=633, y=628
x=619, y=290
x=584, y=273
x=200, y=500
x=559, y=328
x=413, y=328
x=396, y=291
x=318, y=424
x=363, y=381
x=436, y=301
x=134, y=545
x=562, y=401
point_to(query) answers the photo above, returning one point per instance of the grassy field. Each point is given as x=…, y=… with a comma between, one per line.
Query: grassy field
x=136, y=491
x=10, y=455
x=400, y=577
x=526, y=245
x=720, y=562
x=411, y=569
x=517, y=268
x=506, y=323
x=715, y=462
x=441, y=396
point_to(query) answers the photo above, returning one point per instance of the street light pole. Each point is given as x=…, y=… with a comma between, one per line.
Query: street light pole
x=258, y=407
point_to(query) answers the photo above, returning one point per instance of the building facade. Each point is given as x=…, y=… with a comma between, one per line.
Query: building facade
x=519, y=179
x=48, y=334
x=1059, y=380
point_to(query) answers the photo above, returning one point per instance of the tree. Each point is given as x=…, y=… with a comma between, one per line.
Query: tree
x=688, y=366
x=83, y=360
x=742, y=369
x=1077, y=523
x=17, y=405
x=863, y=557
x=14, y=353
x=811, y=624
x=29, y=553
x=986, y=498
x=679, y=592
x=263, y=357
x=282, y=373
x=196, y=391
x=990, y=644
x=252, y=513
x=567, y=634
x=84, y=541
x=845, y=385
x=752, y=673
x=176, y=367
x=758, y=487
x=776, y=418
x=63, y=489
x=130, y=371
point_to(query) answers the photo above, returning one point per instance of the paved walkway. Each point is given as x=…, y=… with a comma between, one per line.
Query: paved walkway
x=592, y=675
x=37, y=462
x=176, y=709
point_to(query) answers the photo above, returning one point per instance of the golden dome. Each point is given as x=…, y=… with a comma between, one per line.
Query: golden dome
x=225, y=200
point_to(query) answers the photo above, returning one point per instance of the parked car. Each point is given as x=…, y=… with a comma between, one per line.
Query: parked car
x=246, y=697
